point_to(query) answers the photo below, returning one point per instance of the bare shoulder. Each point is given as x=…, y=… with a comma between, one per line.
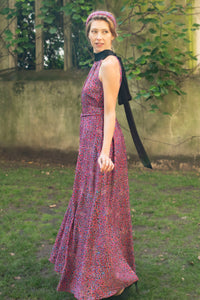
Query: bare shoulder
x=110, y=68
x=110, y=62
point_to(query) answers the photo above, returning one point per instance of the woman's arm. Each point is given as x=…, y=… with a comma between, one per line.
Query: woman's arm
x=110, y=76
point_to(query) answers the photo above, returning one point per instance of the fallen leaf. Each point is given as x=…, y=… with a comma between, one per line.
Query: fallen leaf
x=30, y=162
x=52, y=205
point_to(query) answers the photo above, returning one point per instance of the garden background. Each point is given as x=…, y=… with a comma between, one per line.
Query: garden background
x=44, y=60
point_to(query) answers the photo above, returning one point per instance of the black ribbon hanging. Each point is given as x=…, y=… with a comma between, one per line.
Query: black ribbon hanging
x=124, y=97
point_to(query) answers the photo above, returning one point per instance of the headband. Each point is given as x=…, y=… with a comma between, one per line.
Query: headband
x=102, y=13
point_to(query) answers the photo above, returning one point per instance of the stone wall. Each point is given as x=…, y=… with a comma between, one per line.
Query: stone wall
x=44, y=114
x=176, y=134
x=40, y=114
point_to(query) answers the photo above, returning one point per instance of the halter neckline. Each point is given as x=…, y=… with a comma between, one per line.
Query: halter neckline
x=103, y=54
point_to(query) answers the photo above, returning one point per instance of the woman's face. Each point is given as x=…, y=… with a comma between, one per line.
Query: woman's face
x=100, y=36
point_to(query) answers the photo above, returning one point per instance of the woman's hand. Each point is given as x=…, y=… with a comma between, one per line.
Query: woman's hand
x=105, y=163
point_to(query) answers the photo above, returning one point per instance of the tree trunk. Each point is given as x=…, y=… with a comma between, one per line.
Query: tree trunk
x=12, y=58
x=67, y=40
x=39, y=45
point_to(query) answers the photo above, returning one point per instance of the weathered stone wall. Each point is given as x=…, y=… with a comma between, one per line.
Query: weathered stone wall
x=45, y=114
x=177, y=134
x=40, y=114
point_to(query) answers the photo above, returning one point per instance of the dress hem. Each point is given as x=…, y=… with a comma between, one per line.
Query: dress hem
x=104, y=297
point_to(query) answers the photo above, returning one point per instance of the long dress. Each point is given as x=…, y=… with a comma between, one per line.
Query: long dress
x=93, y=250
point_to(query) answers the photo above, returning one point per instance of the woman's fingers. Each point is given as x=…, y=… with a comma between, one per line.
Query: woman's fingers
x=105, y=163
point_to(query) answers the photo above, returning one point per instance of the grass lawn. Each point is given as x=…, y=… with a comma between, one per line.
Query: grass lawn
x=166, y=222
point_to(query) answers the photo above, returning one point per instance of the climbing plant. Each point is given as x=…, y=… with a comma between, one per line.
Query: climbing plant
x=52, y=25
x=23, y=40
x=158, y=33
x=78, y=10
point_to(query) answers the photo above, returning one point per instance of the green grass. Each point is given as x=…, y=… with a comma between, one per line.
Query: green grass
x=166, y=231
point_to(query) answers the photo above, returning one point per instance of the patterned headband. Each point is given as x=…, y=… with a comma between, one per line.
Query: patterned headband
x=102, y=13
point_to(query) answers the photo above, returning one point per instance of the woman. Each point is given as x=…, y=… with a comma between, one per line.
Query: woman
x=94, y=247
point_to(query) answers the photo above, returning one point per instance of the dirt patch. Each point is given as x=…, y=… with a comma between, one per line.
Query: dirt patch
x=37, y=157
x=185, y=188
x=40, y=157
x=44, y=250
x=174, y=218
x=179, y=189
x=140, y=228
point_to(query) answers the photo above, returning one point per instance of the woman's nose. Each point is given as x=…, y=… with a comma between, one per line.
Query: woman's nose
x=99, y=35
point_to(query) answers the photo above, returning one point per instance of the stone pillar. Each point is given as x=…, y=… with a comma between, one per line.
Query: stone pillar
x=12, y=58
x=4, y=64
x=39, y=45
x=197, y=39
x=67, y=40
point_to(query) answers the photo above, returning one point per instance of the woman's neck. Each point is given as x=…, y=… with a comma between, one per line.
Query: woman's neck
x=103, y=54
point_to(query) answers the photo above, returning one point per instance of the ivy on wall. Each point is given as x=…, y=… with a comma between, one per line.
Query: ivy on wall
x=51, y=14
x=156, y=31
x=23, y=40
x=159, y=37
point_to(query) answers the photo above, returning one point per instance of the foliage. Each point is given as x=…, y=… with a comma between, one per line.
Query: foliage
x=52, y=25
x=77, y=11
x=23, y=40
x=158, y=34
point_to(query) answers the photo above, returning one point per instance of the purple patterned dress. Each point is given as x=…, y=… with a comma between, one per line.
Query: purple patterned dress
x=93, y=250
